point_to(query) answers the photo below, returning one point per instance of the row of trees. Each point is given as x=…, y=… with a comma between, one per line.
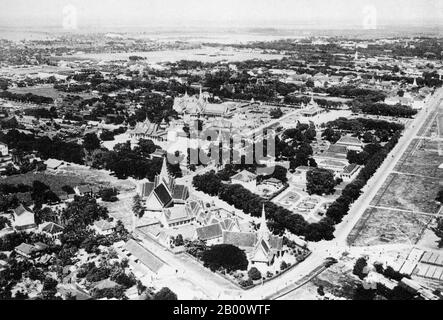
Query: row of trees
x=46, y=147
x=27, y=97
x=126, y=162
x=340, y=207
x=383, y=109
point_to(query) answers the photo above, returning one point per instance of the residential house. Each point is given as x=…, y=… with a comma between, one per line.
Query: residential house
x=23, y=218
x=25, y=250
x=51, y=229
x=103, y=227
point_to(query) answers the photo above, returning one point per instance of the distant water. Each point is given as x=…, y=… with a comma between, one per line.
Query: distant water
x=222, y=35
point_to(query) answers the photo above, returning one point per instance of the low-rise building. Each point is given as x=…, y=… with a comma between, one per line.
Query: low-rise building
x=104, y=227
x=23, y=218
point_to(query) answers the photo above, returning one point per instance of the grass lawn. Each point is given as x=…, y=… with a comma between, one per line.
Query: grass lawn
x=381, y=226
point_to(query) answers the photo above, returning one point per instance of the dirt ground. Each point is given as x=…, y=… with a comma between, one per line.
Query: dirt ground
x=382, y=226
x=407, y=192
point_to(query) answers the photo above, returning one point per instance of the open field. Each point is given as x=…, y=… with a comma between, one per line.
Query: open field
x=206, y=54
x=421, y=158
x=440, y=125
x=54, y=180
x=432, y=129
x=408, y=192
x=47, y=91
x=72, y=175
x=381, y=226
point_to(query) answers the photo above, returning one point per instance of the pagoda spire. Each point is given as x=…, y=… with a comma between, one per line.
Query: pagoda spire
x=164, y=172
x=263, y=231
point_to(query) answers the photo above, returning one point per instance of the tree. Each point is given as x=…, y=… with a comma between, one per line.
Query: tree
x=225, y=256
x=41, y=194
x=276, y=113
x=357, y=157
x=68, y=189
x=146, y=147
x=320, y=181
x=165, y=294
x=178, y=241
x=368, y=137
x=108, y=195
x=283, y=265
x=359, y=267
x=91, y=142
x=81, y=212
x=331, y=135
x=4, y=222
x=208, y=182
x=137, y=206
x=254, y=274
x=280, y=173
x=438, y=230
x=439, y=197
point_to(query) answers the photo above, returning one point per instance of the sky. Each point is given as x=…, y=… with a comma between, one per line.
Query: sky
x=213, y=13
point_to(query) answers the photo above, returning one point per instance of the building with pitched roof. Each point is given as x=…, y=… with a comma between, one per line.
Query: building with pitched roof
x=103, y=227
x=351, y=143
x=139, y=254
x=211, y=233
x=246, y=179
x=51, y=229
x=350, y=172
x=163, y=192
x=197, y=106
x=149, y=130
x=5, y=157
x=261, y=246
x=25, y=250
x=23, y=218
x=267, y=246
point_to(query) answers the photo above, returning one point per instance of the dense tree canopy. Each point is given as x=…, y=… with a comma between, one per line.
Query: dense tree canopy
x=320, y=181
x=225, y=256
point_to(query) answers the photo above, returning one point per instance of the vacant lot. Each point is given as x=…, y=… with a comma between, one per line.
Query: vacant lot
x=101, y=178
x=47, y=91
x=421, y=158
x=54, y=181
x=380, y=226
x=72, y=175
x=407, y=192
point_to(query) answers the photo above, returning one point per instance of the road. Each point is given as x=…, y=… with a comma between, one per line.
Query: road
x=302, y=273
x=374, y=184
x=339, y=244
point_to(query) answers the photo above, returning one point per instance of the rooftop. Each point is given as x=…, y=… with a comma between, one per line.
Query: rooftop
x=146, y=257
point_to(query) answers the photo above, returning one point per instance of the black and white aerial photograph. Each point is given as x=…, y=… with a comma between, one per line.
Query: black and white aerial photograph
x=246, y=152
